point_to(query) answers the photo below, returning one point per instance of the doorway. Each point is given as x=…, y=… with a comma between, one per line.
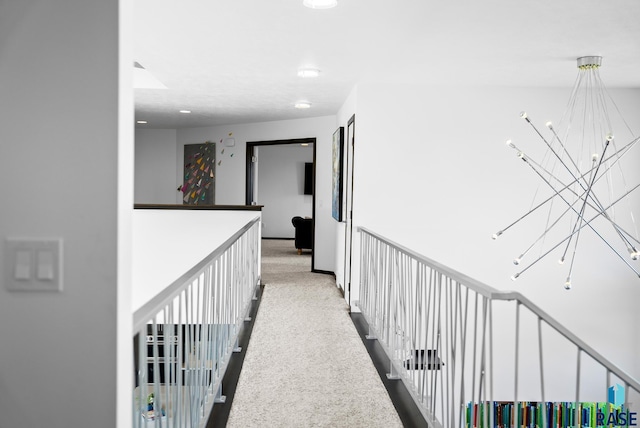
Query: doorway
x=295, y=183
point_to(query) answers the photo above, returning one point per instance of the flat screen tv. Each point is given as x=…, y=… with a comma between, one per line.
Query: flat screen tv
x=308, y=178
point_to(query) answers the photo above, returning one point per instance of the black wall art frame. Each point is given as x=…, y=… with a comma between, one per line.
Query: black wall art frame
x=337, y=151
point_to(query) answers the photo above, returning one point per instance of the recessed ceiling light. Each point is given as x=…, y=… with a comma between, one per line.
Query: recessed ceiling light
x=141, y=121
x=304, y=144
x=302, y=104
x=320, y=4
x=185, y=111
x=308, y=72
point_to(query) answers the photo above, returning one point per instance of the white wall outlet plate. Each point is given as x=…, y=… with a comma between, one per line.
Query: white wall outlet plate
x=33, y=264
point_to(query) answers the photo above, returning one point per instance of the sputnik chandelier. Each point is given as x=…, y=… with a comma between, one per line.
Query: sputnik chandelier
x=581, y=169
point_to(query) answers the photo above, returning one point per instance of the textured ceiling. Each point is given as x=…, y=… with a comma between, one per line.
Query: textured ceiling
x=236, y=61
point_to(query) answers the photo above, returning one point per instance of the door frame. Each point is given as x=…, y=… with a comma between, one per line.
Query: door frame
x=350, y=133
x=250, y=177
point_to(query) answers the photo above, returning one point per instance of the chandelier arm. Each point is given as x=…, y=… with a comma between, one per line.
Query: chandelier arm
x=593, y=196
x=619, y=155
x=562, y=162
x=520, y=153
x=531, y=211
x=564, y=149
x=587, y=223
x=603, y=211
x=587, y=190
x=599, y=206
x=546, y=231
x=580, y=219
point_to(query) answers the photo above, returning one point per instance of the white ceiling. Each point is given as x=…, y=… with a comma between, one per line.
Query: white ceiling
x=236, y=61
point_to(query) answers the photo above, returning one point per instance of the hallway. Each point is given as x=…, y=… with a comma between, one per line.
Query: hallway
x=305, y=364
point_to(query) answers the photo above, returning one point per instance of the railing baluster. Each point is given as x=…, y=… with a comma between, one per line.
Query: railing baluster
x=167, y=359
x=463, y=339
x=446, y=420
x=578, y=377
x=421, y=273
x=475, y=349
x=540, y=353
x=438, y=347
x=491, y=396
x=454, y=353
x=156, y=373
x=482, y=387
x=192, y=327
x=181, y=338
x=517, y=360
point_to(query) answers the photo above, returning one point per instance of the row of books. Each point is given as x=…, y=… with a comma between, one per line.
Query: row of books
x=528, y=414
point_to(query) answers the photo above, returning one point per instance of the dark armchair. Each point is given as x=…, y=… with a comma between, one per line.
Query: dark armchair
x=303, y=235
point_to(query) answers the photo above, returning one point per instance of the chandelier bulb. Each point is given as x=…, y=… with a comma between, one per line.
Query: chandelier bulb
x=510, y=144
x=609, y=136
x=561, y=261
x=549, y=125
x=567, y=284
x=515, y=276
x=635, y=255
x=495, y=235
x=521, y=155
x=523, y=115
x=595, y=157
x=517, y=260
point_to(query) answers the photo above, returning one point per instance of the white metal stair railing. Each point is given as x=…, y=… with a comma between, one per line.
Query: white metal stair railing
x=184, y=336
x=463, y=349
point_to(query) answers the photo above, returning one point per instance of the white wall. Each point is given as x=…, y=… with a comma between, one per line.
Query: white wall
x=281, y=188
x=230, y=174
x=155, y=182
x=66, y=159
x=436, y=176
x=167, y=243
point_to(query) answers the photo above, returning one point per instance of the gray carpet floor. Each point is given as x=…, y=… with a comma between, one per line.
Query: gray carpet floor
x=305, y=365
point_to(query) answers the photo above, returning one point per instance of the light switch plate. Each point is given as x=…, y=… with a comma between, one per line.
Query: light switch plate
x=33, y=264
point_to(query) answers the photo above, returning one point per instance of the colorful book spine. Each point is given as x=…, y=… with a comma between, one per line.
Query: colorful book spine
x=525, y=414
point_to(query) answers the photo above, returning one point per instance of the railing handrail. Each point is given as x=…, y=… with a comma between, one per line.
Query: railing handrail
x=494, y=294
x=144, y=313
